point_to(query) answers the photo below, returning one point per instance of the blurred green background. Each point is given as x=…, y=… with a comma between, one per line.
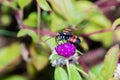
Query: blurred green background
x=28, y=27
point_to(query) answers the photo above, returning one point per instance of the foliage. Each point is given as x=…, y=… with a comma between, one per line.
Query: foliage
x=38, y=21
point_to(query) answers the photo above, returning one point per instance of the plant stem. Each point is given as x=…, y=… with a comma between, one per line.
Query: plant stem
x=20, y=21
x=68, y=69
x=38, y=21
x=97, y=32
x=81, y=71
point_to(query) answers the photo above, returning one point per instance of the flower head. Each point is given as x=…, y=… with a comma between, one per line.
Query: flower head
x=65, y=49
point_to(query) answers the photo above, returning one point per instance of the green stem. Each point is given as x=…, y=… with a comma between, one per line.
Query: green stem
x=38, y=21
x=68, y=69
x=20, y=22
x=81, y=71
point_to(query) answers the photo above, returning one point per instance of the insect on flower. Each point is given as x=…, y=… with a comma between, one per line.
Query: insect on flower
x=67, y=35
x=66, y=49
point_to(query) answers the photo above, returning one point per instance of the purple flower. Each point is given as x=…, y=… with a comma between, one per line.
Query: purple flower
x=66, y=49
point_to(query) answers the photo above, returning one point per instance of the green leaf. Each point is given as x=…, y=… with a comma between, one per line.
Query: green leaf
x=101, y=21
x=96, y=69
x=74, y=73
x=15, y=77
x=80, y=69
x=50, y=41
x=95, y=21
x=116, y=23
x=40, y=62
x=108, y=36
x=30, y=69
x=46, y=17
x=93, y=14
x=31, y=33
x=11, y=4
x=5, y=20
x=92, y=76
x=23, y=3
x=39, y=58
x=60, y=74
x=66, y=9
x=31, y=21
x=57, y=23
x=44, y=5
x=83, y=5
x=9, y=56
x=110, y=63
